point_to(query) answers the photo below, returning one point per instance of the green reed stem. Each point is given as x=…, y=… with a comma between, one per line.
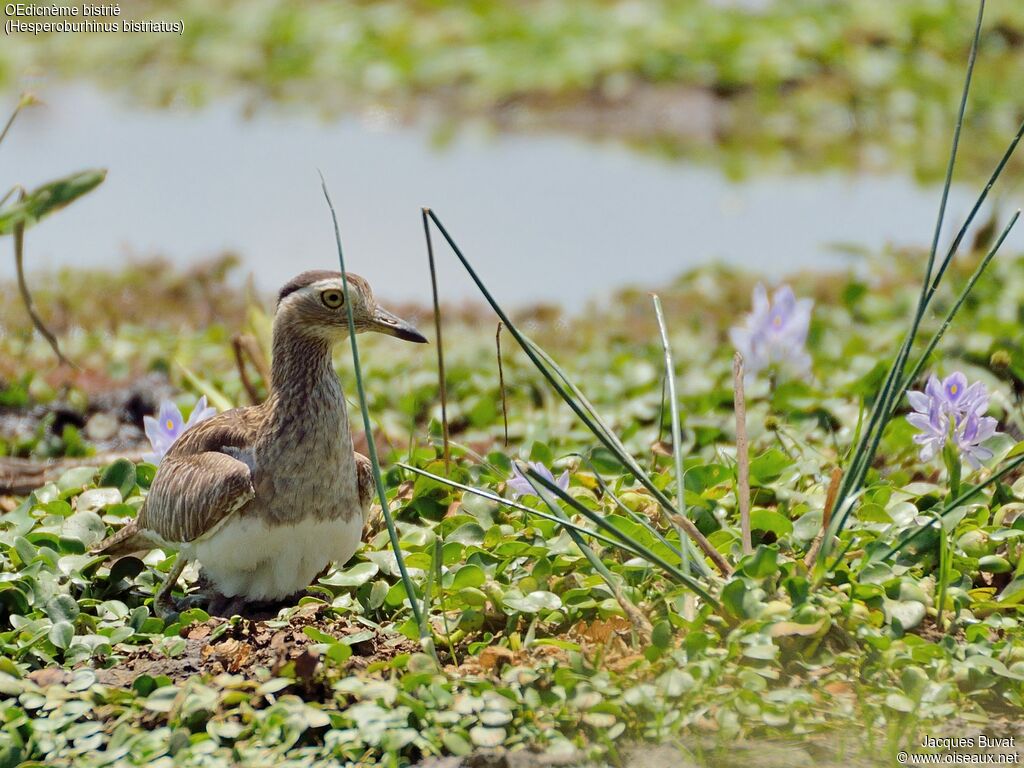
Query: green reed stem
x=677, y=434
x=891, y=391
x=639, y=621
x=442, y=381
x=592, y=421
x=371, y=446
x=521, y=507
x=645, y=524
x=598, y=520
x=937, y=336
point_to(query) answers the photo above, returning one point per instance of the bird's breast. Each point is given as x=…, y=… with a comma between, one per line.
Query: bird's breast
x=306, y=467
x=253, y=558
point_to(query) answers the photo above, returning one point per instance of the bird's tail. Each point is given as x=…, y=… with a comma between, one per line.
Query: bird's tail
x=127, y=540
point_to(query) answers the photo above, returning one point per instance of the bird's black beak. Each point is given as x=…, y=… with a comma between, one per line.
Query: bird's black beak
x=392, y=325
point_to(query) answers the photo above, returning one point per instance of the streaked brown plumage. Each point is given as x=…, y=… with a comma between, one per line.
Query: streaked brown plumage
x=264, y=497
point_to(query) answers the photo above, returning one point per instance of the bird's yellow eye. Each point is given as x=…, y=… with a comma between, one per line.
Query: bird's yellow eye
x=332, y=299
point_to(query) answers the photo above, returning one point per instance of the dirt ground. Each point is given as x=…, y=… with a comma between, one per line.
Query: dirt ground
x=245, y=648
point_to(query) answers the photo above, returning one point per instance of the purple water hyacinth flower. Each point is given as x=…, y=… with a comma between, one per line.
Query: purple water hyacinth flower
x=952, y=410
x=519, y=485
x=775, y=332
x=169, y=425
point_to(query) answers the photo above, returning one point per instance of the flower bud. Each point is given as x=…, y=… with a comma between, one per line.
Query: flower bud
x=1000, y=361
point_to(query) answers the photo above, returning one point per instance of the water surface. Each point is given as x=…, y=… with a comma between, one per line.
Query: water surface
x=544, y=218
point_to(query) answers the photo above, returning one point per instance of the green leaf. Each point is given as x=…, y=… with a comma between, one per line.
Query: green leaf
x=318, y=635
x=703, y=476
x=541, y=453
x=1013, y=592
x=768, y=466
x=472, y=596
x=764, y=562
x=62, y=608
x=357, y=637
x=994, y=564
x=900, y=703
x=396, y=595
x=48, y=198
x=533, y=602
x=469, y=576
x=358, y=574
x=907, y=613
x=126, y=568
x=661, y=637
x=120, y=475
x=162, y=699
x=87, y=527
x=76, y=478
x=144, y=475
x=339, y=652
x=771, y=521
x=732, y=597
x=25, y=549
x=455, y=744
x=13, y=597
x=61, y=634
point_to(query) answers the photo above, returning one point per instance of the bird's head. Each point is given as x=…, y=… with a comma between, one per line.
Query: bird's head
x=314, y=303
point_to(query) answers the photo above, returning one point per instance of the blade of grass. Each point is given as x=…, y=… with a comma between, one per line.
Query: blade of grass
x=742, y=454
x=641, y=625
x=371, y=446
x=951, y=164
x=951, y=313
x=868, y=446
x=606, y=489
x=26, y=99
x=677, y=434
x=960, y=500
x=217, y=399
x=436, y=563
x=522, y=508
x=943, y=202
x=661, y=426
x=892, y=405
x=591, y=421
x=826, y=517
x=442, y=382
x=501, y=382
x=647, y=554
x=665, y=504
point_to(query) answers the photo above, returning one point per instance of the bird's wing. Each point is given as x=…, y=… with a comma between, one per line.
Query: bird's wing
x=203, y=478
x=365, y=482
x=236, y=429
x=192, y=494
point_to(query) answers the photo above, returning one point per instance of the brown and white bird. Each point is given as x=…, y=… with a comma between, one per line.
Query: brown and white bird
x=265, y=497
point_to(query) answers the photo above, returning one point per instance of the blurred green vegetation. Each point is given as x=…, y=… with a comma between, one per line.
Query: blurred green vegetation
x=801, y=83
x=535, y=649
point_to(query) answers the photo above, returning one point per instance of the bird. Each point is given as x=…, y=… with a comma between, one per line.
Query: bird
x=265, y=497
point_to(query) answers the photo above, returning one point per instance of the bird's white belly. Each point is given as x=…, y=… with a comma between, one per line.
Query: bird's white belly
x=248, y=558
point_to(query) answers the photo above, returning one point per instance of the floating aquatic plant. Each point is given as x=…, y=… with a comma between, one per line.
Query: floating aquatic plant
x=169, y=425
x=950, y=414
x=899, y=378
x=775, y=332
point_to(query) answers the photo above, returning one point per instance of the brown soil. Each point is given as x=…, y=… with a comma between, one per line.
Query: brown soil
x=248, y=648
